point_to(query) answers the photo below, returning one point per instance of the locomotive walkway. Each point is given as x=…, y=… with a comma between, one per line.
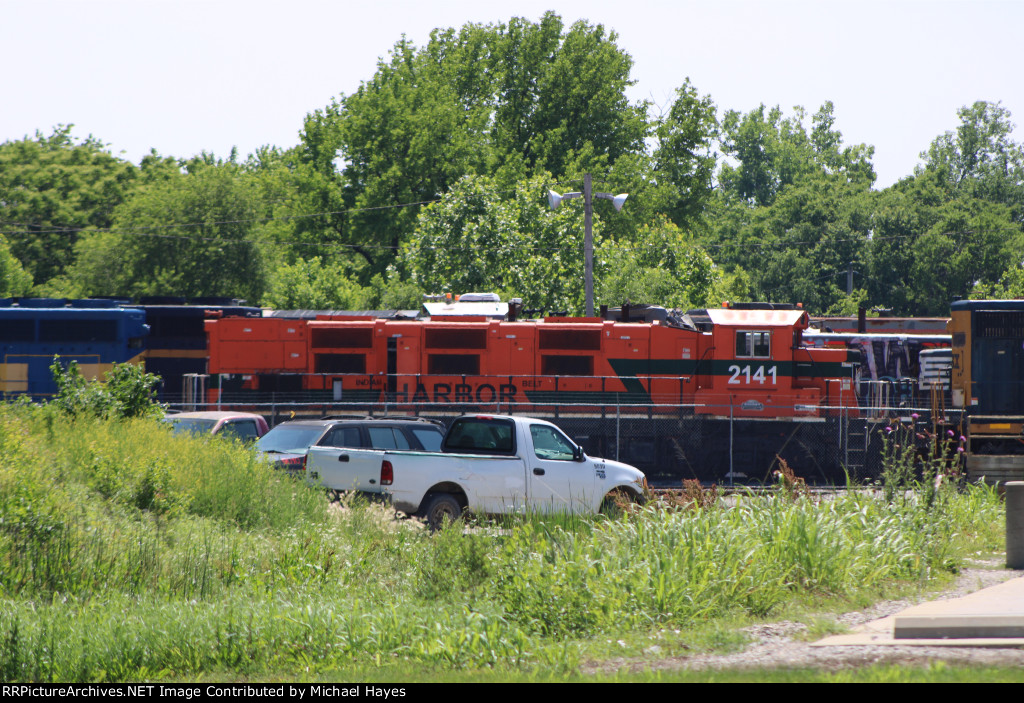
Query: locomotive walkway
x=991, y=617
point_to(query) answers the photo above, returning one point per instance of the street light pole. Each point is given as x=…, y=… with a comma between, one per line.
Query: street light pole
x=588, y=245
x=554, y=200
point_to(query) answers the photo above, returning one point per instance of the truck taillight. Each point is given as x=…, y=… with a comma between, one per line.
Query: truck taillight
x=294, y=464
x=387, y=473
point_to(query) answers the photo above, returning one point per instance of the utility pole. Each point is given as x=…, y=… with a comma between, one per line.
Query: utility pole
x=588, y=245
x=554, y=199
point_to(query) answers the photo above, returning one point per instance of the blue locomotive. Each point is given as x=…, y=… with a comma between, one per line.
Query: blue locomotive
x=94, y=333
x=164, y=334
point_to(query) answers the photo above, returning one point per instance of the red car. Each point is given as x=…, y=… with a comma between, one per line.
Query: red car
x=248, y=427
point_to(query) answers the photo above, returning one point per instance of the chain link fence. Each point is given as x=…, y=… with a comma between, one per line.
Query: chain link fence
x=725, y=443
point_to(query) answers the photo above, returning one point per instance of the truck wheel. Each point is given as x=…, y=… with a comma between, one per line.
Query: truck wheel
x=441, y=508
x=617, y=503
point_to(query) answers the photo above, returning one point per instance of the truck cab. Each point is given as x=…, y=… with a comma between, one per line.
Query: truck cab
x=499, y=464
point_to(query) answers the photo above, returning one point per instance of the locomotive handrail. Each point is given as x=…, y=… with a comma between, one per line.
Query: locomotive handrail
x=661, y=407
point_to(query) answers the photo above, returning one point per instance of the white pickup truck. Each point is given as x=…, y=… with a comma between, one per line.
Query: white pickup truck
x=496, y=464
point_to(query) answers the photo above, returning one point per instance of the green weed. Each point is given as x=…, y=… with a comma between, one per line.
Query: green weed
x=127, y=553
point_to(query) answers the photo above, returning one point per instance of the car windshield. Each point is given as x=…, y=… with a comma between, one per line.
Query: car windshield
x=191, y=425
x=289, y=440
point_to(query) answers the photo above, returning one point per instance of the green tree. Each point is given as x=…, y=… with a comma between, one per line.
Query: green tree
x=734, y=285
x=969, y=242
x=481, y=238
x=189, y=234
x=954, y=228
x=799, y=248
x=1010, y=286
x=560, y=103
x=291, y=213
x=508, y=100
x=660, y=266
x=849, y=305
x=770, y=152
x=673, y=180
x=979, y=158
x=314, y=285
x=128, y=391
x=793, y=211
x=401, y=139
x=930, y=245
x=684, y=159
x=14, y=280
x=51, y=187
x=391, y=292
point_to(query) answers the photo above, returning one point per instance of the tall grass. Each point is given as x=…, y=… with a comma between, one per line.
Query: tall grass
x=90, y=504
x=127, y=553
x=677, y=566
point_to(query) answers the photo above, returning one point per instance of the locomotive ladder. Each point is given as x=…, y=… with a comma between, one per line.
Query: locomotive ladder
x=855, y=445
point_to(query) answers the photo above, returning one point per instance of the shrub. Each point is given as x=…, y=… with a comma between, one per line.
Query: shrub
x=128, y=392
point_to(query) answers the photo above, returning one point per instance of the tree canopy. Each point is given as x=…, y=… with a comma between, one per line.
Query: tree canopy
x=510, y=101
x=479, y=237
x=192, y=234
x=979, y=159
x=52, y=187
x=14, y=280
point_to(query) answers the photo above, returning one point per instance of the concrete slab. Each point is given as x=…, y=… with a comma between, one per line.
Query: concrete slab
x=991, y=617
x=997, y=611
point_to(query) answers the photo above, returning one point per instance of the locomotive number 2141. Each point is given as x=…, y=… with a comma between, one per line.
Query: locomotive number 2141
x=744, y=375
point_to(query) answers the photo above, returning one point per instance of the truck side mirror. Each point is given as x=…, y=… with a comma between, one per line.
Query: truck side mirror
x=577, y=453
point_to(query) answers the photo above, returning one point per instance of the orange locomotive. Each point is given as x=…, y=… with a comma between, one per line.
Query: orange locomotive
x=745, y=360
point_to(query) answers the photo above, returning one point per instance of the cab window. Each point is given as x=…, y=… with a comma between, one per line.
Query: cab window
x=549, y=443
x=751, y=343
x=429, y=438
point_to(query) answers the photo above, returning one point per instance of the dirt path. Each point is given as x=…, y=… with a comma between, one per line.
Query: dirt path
x=782, y=644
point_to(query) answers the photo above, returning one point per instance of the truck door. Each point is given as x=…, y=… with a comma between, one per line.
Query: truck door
x=558, y=483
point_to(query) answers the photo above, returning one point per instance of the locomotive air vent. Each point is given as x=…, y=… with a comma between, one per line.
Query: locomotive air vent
x=570, y=340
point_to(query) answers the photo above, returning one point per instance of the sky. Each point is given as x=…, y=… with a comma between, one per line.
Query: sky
x=184, y=76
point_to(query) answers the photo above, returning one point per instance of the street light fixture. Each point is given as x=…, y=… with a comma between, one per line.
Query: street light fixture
x=554, y=200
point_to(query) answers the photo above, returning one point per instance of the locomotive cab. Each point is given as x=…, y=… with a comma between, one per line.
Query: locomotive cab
x=758, y=368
